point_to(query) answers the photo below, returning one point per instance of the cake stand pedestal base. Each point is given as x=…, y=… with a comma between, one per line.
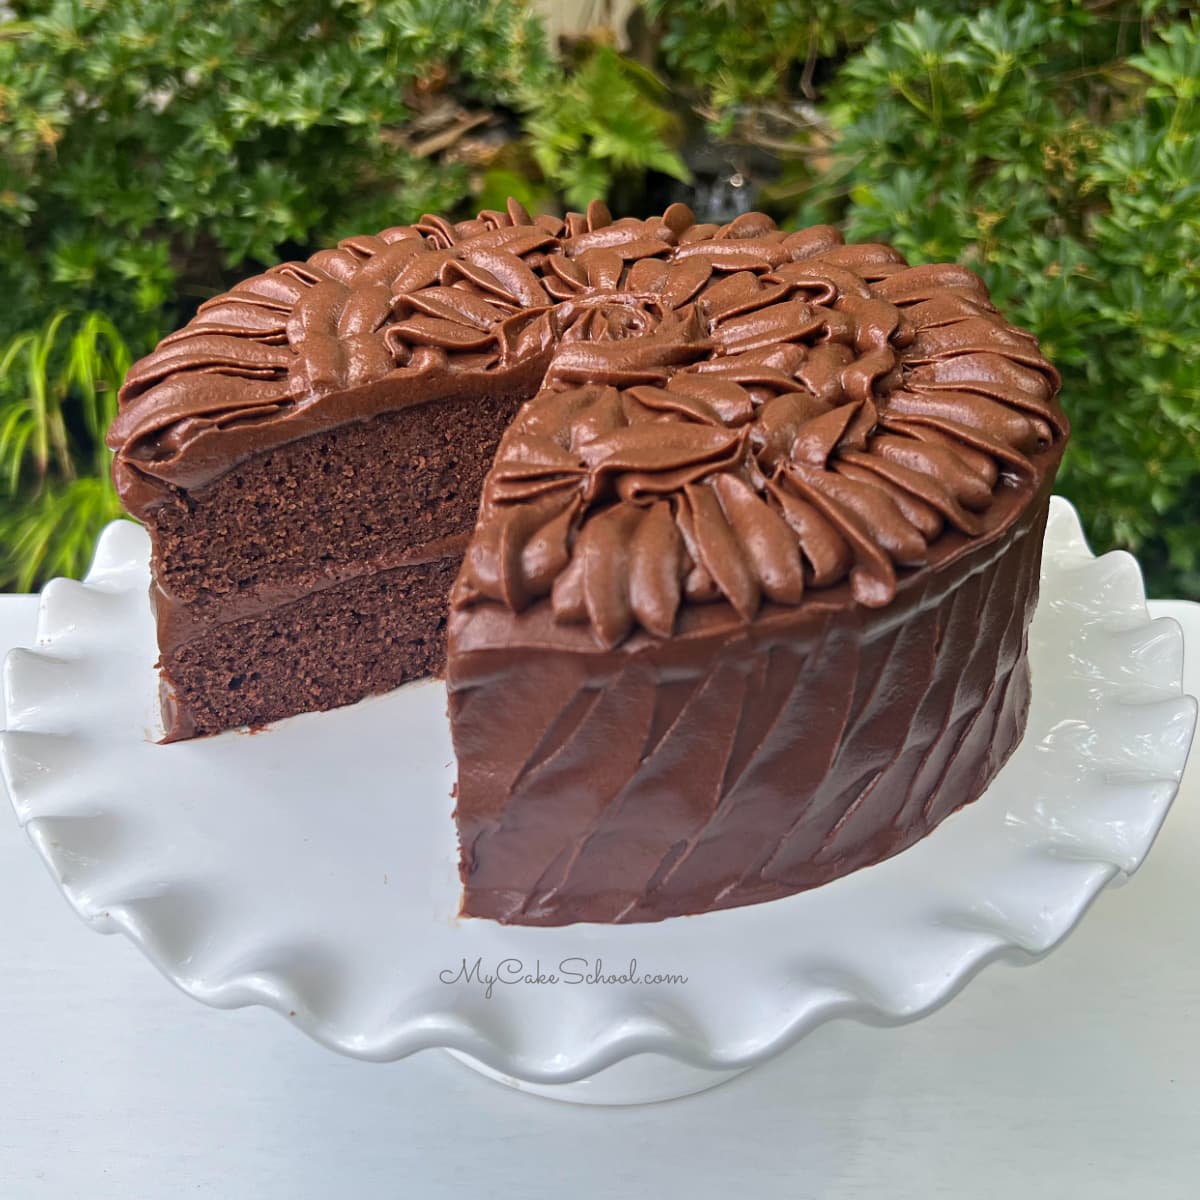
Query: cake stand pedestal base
x=642, y=1079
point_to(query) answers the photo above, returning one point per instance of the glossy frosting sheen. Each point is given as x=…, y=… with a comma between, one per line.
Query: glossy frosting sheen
x=736, y=762
x=728, y=412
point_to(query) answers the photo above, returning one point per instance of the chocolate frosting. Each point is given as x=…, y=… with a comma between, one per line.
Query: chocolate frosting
x=729, y=412
x=737, y=762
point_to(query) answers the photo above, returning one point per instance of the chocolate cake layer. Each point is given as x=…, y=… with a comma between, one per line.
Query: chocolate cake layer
x=392, y=497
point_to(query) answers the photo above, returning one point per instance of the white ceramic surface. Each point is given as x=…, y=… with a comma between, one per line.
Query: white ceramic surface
x=310, y=868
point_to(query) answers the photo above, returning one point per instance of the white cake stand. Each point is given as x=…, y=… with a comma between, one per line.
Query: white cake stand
x=311, y=867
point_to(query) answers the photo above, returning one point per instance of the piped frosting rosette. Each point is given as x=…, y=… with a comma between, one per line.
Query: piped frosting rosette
x=748, y=435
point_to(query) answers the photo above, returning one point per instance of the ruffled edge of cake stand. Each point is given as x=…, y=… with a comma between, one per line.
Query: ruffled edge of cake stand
x=1131, y=749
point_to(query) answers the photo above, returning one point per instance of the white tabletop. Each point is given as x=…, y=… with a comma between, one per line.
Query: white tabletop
x=1077, y=1077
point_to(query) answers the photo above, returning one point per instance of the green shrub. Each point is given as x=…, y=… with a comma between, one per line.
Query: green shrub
x=1055, y=147
x=607, y=123
x=1075, y=191
x=60, y=388
x=153, y=151
x=737, y=52
x=144, y=135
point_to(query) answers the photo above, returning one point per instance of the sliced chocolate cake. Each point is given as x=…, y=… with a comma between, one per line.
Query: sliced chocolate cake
x=746, y=602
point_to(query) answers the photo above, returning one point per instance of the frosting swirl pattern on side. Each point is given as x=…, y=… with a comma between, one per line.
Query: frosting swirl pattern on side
x=726, y=413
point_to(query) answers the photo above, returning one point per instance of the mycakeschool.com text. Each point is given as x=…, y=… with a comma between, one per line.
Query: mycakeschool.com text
x=570, y=972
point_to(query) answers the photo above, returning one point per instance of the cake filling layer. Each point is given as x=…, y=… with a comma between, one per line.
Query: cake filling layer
x=180, y=623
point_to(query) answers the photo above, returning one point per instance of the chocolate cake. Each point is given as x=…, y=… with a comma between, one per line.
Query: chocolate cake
x=747, y=585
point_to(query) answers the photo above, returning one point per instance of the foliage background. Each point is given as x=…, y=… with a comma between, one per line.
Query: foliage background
x=154, y=151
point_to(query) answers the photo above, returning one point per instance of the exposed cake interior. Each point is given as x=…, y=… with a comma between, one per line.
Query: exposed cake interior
x=316, y=573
